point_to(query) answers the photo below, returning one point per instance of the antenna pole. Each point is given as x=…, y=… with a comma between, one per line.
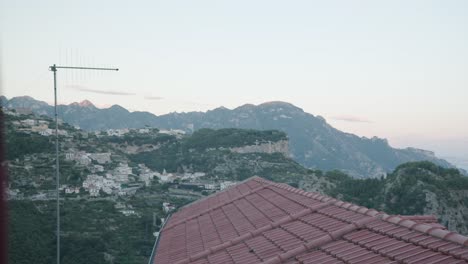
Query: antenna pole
x=57, y=169
x=54, y=68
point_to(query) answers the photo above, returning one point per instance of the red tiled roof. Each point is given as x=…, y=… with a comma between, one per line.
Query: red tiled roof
x=261, y=221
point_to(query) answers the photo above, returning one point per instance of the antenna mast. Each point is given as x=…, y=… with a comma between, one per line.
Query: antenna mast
x=54, y=68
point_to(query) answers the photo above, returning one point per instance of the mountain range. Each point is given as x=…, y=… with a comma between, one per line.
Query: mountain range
x=312, y=141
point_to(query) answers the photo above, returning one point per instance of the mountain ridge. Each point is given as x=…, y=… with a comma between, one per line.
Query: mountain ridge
x=313, y=142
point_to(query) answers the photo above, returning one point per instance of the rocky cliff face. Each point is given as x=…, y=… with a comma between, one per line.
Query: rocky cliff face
x=269, y=147
x=452, y=211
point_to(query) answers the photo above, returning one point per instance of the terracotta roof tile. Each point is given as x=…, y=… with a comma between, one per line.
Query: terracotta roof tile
x=261, y=221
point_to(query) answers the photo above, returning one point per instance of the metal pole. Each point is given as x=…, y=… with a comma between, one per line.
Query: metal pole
x=57, y=169
x=57, y=165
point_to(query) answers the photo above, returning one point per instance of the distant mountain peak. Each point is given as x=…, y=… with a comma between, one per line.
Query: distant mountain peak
x=245, y=106
x=118, y=108
x=280, y=105
x=276, y=103
x=25, y=97
x=222, y=108
x=86, y=103
x=270, y=105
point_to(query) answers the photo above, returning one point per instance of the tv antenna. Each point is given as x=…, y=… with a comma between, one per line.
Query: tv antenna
x=54, y=68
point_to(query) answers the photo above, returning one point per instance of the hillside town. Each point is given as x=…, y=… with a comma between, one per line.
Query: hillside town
x=104, y=171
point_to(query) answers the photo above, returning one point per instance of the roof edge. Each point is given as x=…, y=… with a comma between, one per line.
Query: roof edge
x=427, y=229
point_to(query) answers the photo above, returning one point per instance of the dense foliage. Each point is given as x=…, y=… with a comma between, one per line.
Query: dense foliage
x=402, y=191
x=18, y=144
x=31, y=234
x=92, y=231
x=365, y=192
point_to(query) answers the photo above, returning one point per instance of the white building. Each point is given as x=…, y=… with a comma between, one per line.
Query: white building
x=167, y=207
x=174, y=132
x=226, y=184
x=43, y=122
x=81, y=157
x=70, y=155
x=84, y=160
x=127, y=212
x=39, y=128
x=94, y=192
x=29, y=122
x=98, y=168
x=117, y=132
x=165, y=177
x=121, y=172
x=107, y=189
x=71, y=190
x=101, y=158
x=210, y=186
x=94, y=183
x=146, y=178
x=46, y=132
x=62, y=132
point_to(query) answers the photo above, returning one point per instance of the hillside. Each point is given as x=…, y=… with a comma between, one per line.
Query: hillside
x=149, y=167
x=312, y=141
x=105, y=185
x=417, y=188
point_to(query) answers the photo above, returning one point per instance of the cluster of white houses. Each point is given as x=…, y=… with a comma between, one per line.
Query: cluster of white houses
x=109, y=181
x=95, y=183
x=122, y=131
x=37, y=126
x=84, y=158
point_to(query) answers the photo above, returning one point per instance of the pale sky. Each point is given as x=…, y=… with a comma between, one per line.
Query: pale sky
x=393, y=69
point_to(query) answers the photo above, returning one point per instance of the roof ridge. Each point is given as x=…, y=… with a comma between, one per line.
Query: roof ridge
x=313, y=195
x=216, y=193
x=426, y=228
x=320, y=197
x=216, y=207
x=255, y=232
x=419, y=217
x=329, y=237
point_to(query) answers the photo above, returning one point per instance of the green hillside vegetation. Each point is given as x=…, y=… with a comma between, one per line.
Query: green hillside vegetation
x=207, y=151
x=18, y=144
x=404, y=190
x=92, y=230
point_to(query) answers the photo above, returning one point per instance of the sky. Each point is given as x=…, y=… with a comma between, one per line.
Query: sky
x=392, y=69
